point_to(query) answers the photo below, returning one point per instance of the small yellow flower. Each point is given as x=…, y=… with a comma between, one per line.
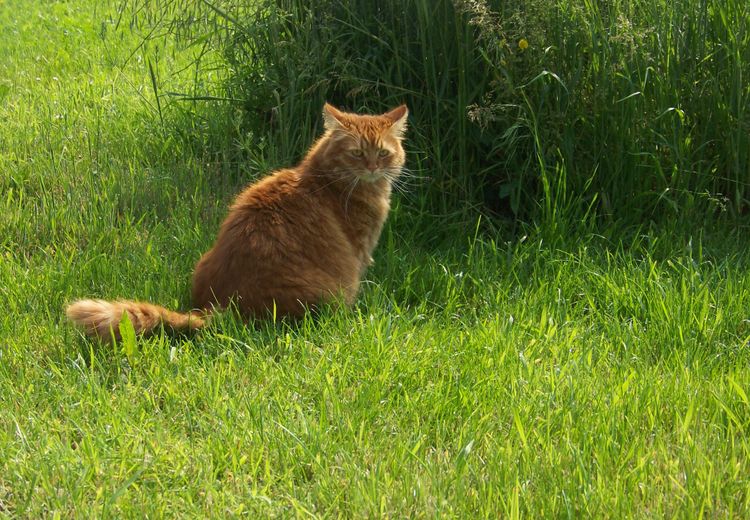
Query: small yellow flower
x=523, y=44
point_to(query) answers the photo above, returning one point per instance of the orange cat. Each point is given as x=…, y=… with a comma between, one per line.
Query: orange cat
x=297, y=238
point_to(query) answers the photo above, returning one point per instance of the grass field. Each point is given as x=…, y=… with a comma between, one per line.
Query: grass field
x=485, y=371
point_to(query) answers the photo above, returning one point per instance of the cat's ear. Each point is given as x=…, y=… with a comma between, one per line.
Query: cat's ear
x=333, y=118
x=398, y=118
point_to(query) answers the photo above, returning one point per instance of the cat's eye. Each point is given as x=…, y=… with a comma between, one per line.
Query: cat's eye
x=357, y=152
x=383, y=152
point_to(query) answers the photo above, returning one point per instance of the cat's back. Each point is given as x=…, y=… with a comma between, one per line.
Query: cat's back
x=283, y=215
x=272, y=201
x=277, y=188
x=280, y=242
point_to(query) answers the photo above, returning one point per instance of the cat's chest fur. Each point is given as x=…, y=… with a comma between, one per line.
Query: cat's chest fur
x=361, y=217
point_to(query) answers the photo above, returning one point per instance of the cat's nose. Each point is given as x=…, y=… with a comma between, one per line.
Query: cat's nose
x=372, y=167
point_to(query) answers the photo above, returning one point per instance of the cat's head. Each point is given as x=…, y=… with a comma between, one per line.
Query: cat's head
x=363, y=146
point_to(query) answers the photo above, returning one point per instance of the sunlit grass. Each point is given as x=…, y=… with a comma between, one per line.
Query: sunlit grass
x=481, y=374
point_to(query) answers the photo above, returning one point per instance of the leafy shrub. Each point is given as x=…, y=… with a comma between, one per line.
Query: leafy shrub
x=546, y=109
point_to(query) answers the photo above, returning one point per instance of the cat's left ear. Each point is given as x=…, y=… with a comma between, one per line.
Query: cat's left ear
x=398, y=120
x=333, y=118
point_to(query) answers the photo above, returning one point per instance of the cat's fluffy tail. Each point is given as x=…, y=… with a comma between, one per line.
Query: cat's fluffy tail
x=101, y=318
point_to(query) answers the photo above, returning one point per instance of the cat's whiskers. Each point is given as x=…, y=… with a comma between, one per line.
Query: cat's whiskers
x=402, y=177
x=402, y=180
x=355, y=181
x=407, y=175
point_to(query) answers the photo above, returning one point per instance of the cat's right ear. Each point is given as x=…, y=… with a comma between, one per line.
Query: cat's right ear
x=398, y=117
x=333, y=118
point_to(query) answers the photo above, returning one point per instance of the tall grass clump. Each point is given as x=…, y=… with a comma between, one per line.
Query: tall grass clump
x=546, y=109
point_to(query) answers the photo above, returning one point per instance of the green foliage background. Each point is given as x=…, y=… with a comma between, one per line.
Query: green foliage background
x=551, y=110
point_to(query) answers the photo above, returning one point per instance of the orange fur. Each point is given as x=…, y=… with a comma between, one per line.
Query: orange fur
x=101, y=318
x=297, y=238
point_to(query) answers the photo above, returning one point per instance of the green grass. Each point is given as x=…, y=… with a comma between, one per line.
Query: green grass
x=483, y=373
